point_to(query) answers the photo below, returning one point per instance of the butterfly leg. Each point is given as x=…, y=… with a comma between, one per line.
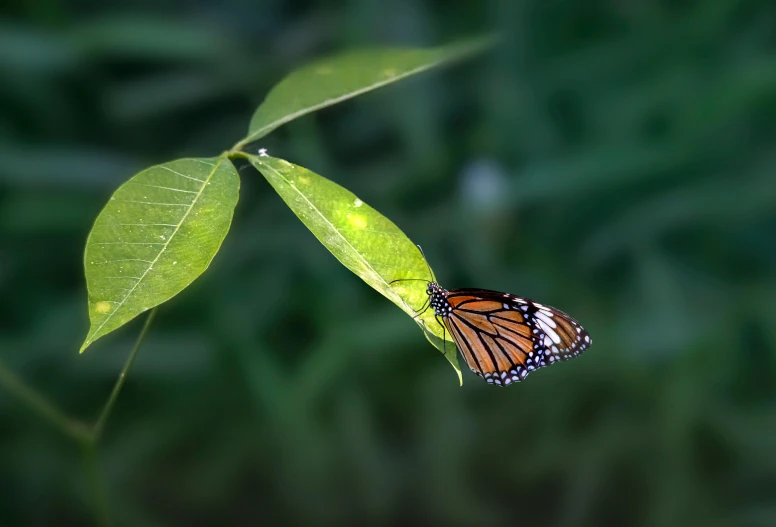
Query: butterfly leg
x=422, y=309
x=444, y=334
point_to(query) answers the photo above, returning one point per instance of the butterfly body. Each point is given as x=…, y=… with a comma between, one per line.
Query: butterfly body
x=503, y=337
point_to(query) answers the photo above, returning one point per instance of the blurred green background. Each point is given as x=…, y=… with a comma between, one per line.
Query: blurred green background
x=613, y=159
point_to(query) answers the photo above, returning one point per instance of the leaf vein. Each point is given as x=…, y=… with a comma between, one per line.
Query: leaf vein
x=184, y=175
x=122, y=260
x=154, y=203
x=147, y=224
x=334, y=100
x=337, y=231
x=168, y=188
x=161, y=251
x=128, y=243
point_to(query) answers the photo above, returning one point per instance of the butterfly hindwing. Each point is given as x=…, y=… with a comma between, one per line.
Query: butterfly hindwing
x=503, y=337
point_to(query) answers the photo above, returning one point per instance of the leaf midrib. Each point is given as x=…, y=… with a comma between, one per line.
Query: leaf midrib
x=337, y=231
x=258, y=134
x=153, y=262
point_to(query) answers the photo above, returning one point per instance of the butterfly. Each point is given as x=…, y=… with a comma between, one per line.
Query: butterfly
x=503, y=337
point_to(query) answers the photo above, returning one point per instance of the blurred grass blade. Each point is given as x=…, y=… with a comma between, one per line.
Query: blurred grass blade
x=340, y=77
x=365, y=241
x=150, y=38
x=45, y=167
x=26, y=50
x=158, y=233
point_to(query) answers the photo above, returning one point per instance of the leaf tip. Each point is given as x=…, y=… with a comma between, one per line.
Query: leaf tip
x=91, y=336
x=473, y=46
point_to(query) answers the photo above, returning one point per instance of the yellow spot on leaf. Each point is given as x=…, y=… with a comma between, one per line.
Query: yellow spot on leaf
x=102, y=307
x=304, y=180
x=390, y=72
x=400, y=289
x=323, y=70
x=357, y=221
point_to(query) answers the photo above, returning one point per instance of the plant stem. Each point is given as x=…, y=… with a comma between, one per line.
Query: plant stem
x=42, y=406
x=237, y=154
x=91, y=462
x=88, y=439
x=238, y=146
x=95, y=482
x=100, y=425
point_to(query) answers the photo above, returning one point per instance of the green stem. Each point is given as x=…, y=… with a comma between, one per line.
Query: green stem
x=75, y=429
x=100, y=425
x=42, y=406
x=238, y=146
x=90, y=446
x=95, y=482
x=236, y=153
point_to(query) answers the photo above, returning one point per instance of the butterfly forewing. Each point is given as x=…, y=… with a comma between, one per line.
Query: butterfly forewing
x=504, y=337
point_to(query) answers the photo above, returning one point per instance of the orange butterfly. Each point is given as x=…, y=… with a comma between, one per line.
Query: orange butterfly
x=504, y=337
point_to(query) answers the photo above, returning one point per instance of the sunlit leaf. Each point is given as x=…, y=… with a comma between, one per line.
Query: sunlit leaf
x=158, y=233
x=340, y=77
x=362, y=239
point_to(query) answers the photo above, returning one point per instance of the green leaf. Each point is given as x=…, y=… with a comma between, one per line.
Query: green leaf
x=156, y=235
x=340, y=77
x=365, y=241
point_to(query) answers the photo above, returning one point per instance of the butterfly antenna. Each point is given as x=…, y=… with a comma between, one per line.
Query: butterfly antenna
x=408, y=280
x=433, y=278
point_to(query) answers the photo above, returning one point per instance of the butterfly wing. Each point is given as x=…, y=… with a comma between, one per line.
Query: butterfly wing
x=504, y=337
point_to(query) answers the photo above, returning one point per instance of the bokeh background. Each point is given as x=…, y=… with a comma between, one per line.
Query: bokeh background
x=614, y=159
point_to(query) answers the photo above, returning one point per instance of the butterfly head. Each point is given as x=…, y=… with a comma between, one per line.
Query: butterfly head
x=435, y=289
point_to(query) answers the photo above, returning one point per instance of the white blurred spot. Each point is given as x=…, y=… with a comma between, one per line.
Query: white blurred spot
x=484, y=185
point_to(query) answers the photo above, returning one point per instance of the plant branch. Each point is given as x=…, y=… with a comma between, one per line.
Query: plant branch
x=92, y=466
x=42, y=406
x=100, y=425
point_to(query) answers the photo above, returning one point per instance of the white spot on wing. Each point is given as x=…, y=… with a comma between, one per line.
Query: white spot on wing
x=546, y=317
x=549, y=332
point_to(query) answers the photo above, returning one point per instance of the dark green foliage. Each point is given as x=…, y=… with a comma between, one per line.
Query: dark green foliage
x=614, y=159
